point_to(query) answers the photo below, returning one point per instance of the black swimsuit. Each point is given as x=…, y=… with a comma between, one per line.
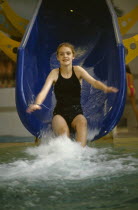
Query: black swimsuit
x=68, y=94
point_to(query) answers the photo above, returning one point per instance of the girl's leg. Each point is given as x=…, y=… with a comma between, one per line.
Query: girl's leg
x=79, y=123
x=60, y=126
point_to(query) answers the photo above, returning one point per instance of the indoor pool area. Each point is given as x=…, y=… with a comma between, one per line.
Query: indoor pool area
x=60, y=174
x=69, y=67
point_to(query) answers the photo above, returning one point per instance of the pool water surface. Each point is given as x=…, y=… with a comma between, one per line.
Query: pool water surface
x=60, y=174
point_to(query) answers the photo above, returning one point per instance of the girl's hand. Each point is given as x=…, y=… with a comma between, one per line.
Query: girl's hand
x=111, y=90
x=33, y=107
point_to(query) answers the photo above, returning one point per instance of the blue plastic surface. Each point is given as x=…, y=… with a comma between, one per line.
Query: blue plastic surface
x=90, y=29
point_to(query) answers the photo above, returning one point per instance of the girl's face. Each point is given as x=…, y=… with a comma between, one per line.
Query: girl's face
x=65, y=56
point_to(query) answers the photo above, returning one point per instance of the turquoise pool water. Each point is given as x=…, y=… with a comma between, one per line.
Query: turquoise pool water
x=60, y=174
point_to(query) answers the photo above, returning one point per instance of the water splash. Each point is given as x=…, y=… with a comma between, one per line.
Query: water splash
x=92, y=133
x=62, y=159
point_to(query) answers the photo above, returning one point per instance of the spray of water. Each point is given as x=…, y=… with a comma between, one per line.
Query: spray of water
x=62, y=159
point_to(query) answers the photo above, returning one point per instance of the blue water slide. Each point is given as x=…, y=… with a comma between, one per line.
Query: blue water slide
x=92, y=27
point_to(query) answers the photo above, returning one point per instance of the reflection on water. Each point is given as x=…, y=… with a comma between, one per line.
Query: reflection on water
x=61, y=174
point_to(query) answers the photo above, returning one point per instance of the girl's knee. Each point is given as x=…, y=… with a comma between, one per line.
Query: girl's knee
x=63, y=130
x=82, y=122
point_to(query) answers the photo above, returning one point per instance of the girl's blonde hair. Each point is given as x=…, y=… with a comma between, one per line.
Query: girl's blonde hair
x=66, y=44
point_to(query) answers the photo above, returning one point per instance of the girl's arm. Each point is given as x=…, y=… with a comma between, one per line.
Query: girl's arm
x=82, y=74
x=43, y=93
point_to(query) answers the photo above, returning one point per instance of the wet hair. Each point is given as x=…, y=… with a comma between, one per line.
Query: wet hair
x=66, y=44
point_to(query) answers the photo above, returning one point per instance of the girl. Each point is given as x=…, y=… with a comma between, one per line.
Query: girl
x=67, y=87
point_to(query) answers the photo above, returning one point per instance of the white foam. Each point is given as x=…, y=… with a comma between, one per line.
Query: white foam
x=92, y=133
x=61, y=158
